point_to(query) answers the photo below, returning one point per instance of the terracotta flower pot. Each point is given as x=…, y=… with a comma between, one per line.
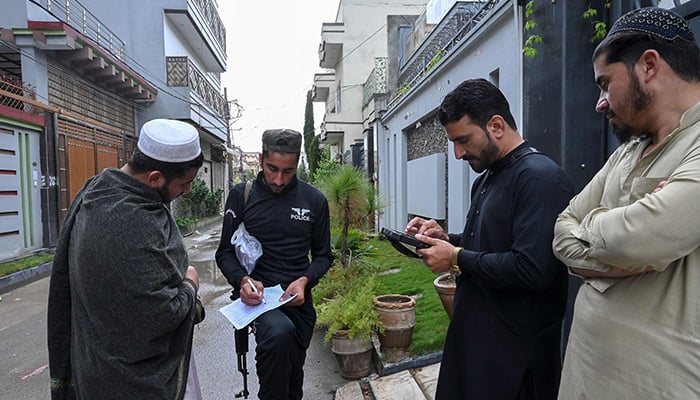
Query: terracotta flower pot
x=398, y=315
x=445, y=285
x=354, y=355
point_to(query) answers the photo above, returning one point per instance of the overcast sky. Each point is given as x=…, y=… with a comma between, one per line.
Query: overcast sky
x=272, y=49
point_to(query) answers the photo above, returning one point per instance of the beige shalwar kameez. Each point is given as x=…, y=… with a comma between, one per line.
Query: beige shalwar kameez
x=637, y=337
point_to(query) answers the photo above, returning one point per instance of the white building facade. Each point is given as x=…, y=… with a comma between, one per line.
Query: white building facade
x=348, y=49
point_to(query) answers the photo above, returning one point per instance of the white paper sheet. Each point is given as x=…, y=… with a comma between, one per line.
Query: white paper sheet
x=241, y=314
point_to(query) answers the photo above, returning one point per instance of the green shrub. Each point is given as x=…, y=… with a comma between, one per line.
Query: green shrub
x=352, y=311
x=339, y=281
x=183, y=222
x=200, y=201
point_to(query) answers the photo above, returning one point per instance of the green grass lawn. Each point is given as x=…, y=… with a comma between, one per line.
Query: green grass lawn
x=413, y=279
x=24, y=263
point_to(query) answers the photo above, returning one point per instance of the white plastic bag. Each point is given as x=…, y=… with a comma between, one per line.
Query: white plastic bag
x=248, y=249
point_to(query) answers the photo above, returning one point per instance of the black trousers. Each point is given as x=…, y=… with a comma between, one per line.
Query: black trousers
x=283, y=335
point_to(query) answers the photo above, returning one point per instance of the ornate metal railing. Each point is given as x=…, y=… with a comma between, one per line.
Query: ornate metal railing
x=462, y=18
x=73, y=13
x=184, y=73
x=13, y=90
x=211, y=15
x=376, y=82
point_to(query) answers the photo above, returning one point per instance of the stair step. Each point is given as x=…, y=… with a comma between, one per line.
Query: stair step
x=400, y=385
x=410, y=384
x=427, y=379
x=350, y=391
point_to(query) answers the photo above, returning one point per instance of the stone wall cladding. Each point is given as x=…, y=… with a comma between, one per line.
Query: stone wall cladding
x=429, y=138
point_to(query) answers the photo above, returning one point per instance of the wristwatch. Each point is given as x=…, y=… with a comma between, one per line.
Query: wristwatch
x=454, y=269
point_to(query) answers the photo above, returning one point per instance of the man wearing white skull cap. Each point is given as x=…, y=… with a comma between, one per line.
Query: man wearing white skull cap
x=123, y=299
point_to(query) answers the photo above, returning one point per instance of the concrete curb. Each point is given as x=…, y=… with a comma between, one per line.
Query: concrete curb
x=411, y=363
x=20, y=278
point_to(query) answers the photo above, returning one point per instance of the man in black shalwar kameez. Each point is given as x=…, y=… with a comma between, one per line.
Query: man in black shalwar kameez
x=503, y=341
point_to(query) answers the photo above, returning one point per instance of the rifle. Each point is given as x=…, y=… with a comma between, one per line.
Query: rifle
x=241, y=342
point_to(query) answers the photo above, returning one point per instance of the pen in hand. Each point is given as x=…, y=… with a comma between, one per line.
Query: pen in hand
x=255, y=290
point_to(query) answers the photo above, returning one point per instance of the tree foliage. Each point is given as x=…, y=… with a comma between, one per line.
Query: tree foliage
x=596, y=16
x=324, y=166
x=310, y=140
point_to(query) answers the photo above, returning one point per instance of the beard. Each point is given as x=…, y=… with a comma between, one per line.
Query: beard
x=486, y=157
x=623, y=132
x=640, y=102
x=274, y=188
x=164, y=193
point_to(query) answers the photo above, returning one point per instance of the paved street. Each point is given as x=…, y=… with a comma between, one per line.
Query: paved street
x=24, y=357
x=24, y=373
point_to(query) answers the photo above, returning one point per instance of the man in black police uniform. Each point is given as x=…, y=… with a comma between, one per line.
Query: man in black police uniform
x=290, y=219
x=504, y=337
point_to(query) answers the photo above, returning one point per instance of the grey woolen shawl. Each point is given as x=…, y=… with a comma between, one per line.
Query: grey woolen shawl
x=120, y=315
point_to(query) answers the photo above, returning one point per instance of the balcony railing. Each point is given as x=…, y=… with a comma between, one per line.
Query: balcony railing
x=13, y=90
x=376, y=82
x=460, y=20
x=183, y=73
x=211, y=15
x=73, y=13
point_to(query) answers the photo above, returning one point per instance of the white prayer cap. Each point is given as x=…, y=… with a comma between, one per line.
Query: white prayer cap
x=169, y=140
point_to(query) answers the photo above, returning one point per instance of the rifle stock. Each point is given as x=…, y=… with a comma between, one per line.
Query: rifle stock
x=241, y=343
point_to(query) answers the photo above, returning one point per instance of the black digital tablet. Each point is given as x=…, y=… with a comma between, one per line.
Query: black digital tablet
x=398, y=239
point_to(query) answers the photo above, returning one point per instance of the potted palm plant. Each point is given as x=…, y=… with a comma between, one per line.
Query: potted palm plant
x=352, y=201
